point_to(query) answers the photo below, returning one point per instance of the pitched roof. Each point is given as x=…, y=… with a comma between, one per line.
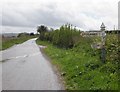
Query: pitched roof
x=102, y=25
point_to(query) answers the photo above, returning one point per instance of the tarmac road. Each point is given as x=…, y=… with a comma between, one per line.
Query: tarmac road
x=25, y=68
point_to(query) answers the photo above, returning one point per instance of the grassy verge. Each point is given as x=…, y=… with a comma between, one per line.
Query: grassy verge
x=8, y=42
x=81, y=67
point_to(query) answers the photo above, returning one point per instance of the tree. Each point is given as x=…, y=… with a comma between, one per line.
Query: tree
x=42, y=30
x=32, y=34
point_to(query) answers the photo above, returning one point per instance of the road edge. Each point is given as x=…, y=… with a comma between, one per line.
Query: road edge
x=54, y=68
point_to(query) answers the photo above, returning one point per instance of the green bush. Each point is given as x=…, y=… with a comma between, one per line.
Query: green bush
x=42, y=31
x=23, y=34
x=55, y=38
x=65, y=37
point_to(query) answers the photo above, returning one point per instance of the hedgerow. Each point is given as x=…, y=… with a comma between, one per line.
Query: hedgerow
x=65, y=37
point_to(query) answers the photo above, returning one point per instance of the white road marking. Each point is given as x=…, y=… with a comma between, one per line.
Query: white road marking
x=34, y=54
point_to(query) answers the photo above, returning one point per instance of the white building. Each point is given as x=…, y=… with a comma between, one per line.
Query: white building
x=100, y=32
x=91, y=33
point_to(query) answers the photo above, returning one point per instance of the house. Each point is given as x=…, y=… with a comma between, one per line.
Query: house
x=91, y=33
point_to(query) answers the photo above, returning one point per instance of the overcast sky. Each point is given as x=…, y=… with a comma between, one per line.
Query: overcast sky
x=26, y=15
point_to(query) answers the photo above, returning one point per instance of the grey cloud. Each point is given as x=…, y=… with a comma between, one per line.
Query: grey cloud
x=54, y=14
x=32, y=17
x=14, y=18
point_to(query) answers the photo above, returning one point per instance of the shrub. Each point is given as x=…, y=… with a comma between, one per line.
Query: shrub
x=65, y=37
x=32, y=34
x=42, y=31
x=23, y=34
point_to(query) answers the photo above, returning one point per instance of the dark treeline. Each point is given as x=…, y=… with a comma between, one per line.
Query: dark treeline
x=65, y=37
x=113, y=32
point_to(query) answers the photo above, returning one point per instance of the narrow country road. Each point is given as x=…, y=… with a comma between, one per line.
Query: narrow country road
x=25, y=68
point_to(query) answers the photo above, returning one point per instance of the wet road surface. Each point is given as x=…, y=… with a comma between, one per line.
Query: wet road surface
x=25, y=68
x=0, y=76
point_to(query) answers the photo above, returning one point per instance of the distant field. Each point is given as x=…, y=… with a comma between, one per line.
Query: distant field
x=8, y=42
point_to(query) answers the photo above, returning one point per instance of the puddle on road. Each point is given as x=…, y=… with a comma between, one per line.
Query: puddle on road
x=4, y=60
x=24, y=56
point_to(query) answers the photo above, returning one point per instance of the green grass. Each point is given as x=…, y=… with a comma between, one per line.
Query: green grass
x=8, y=42
x=81, y=67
